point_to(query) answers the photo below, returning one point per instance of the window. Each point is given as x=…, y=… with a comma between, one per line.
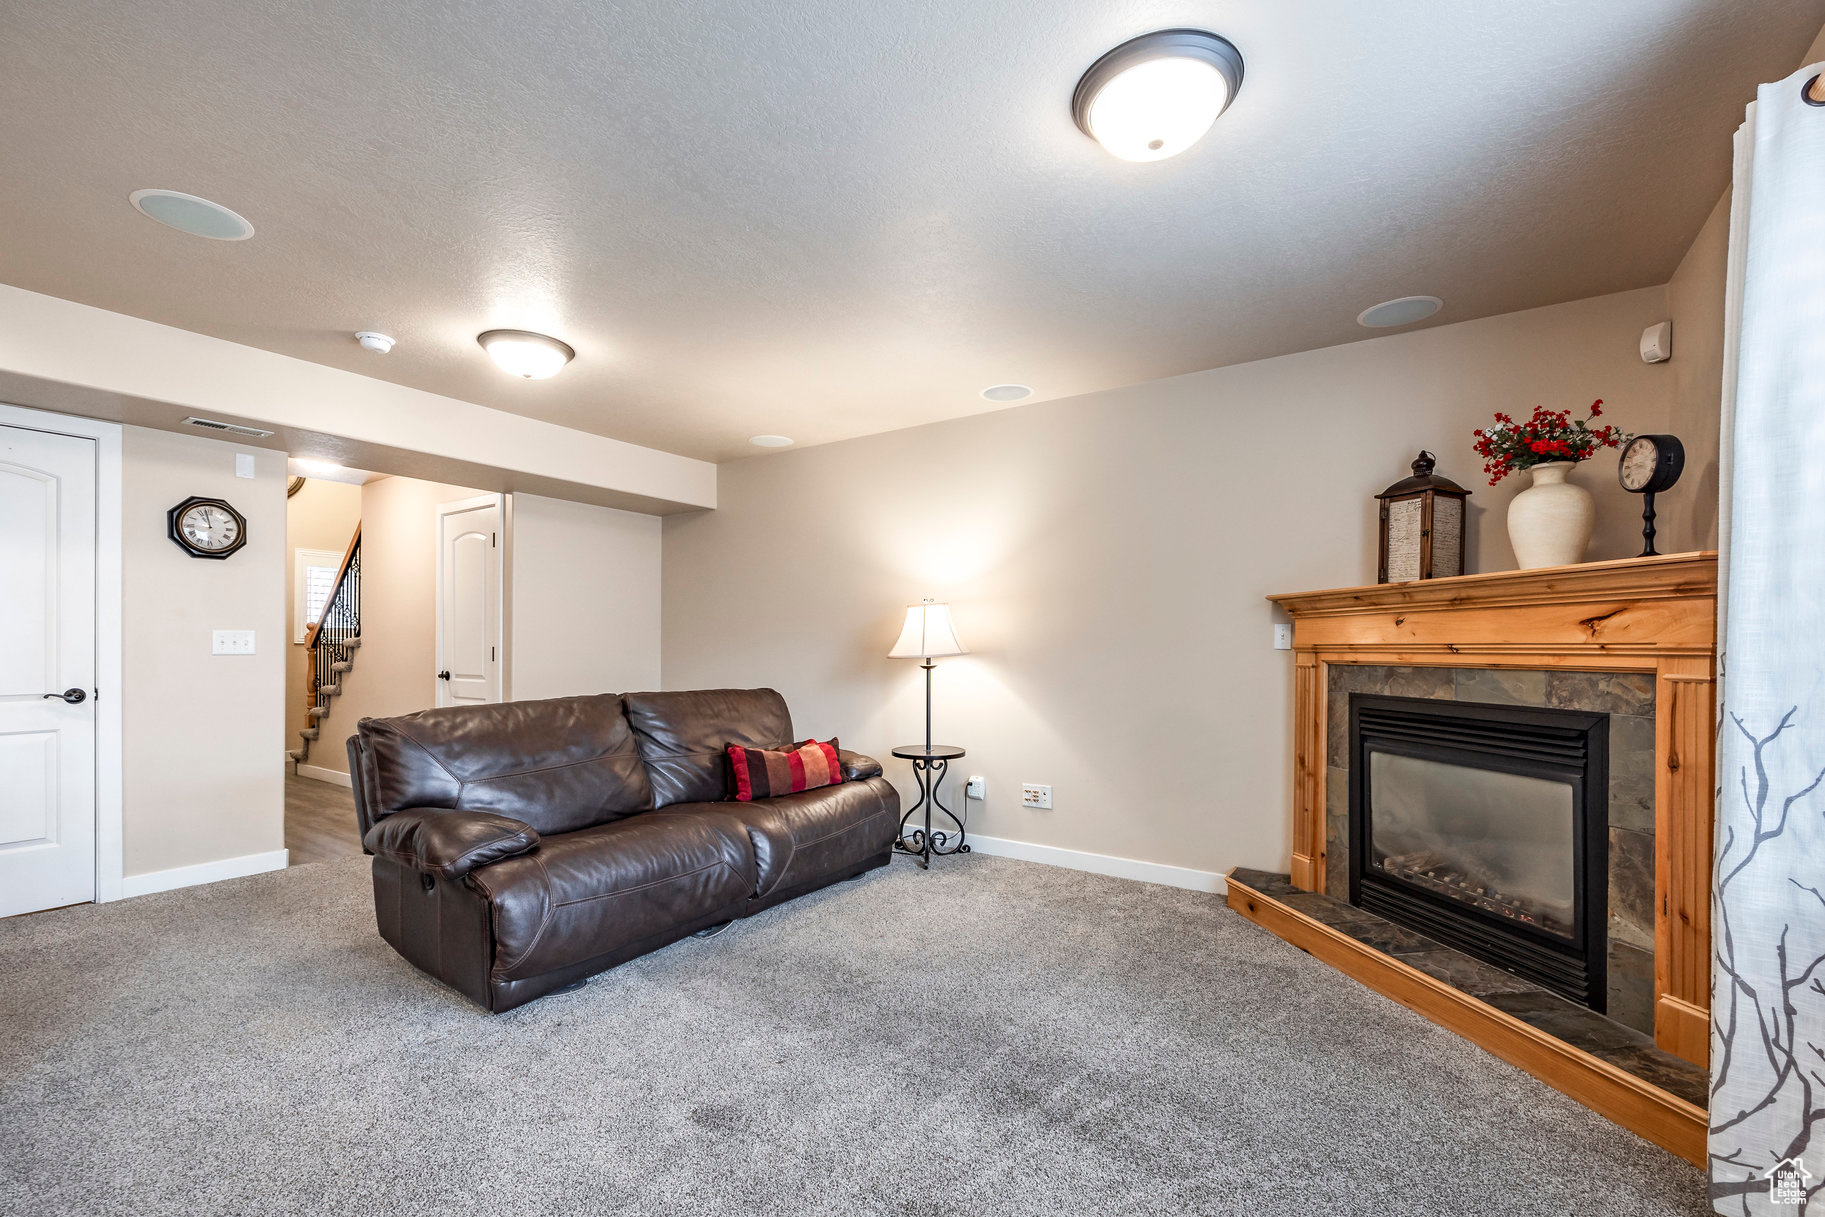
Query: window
x=315, y=578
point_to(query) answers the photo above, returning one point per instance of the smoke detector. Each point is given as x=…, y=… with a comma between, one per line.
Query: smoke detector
x=375, y=341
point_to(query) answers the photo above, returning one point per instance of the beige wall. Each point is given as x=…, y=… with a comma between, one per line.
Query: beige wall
x=395, y=670
x=584, y=589
x=583, y=596
x=200, y=767
x=1106, y=558
x=1695, y=299
x=322, y=516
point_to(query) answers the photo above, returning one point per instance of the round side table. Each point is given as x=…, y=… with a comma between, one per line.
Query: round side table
x=929, y=762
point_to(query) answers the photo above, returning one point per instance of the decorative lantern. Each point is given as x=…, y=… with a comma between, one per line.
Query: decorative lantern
x=1422, y=526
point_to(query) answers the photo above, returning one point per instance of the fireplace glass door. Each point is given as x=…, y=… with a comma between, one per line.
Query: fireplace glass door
x=1486, y=828
x=1501, y=842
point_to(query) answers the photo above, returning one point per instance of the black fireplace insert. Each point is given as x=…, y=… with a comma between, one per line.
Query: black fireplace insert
x=1486, y=828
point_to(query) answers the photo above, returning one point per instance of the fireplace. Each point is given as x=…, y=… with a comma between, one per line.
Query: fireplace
x=1486, y=827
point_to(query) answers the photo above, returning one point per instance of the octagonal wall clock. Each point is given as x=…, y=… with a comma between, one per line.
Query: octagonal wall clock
x=206, y=528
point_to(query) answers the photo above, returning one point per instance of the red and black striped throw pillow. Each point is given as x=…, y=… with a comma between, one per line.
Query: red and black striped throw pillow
x=762, y=773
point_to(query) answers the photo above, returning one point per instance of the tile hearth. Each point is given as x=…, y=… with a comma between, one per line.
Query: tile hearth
x=1604, y=1038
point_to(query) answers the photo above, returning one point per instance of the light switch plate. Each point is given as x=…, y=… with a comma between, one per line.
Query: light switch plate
x=243, y=464
x=1283, y=637
x=233, y=642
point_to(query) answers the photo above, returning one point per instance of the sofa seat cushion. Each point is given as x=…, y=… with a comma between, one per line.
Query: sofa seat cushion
x=801, y=837
x=586, y=893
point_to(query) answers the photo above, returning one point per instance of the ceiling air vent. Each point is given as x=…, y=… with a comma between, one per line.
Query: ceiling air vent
x=209, y=424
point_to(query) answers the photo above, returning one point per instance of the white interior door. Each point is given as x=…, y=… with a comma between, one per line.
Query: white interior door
x=47, y=617
x=469, y=601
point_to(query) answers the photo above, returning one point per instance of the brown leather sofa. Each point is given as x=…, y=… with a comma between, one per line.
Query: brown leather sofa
x=520, y=848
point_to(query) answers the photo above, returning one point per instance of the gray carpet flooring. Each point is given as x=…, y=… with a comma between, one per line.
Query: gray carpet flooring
x=994, y=1037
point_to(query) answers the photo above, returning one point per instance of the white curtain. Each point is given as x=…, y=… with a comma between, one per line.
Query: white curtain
x=1768, y=912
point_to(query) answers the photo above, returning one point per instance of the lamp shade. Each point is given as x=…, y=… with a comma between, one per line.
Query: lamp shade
x=928, y=632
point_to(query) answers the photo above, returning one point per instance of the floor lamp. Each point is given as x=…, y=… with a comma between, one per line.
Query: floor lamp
x=928, y=634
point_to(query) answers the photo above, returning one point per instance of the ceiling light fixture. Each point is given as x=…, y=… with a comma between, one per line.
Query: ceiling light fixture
x=1155, y=96
x=770, y=441
x=1404, y=311
x=375, y=341
x=525, y=354
x=320, y=468
x=187, y=213
x=1006, y=392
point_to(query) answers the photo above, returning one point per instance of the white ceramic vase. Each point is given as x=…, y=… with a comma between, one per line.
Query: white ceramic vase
x=1549, y=523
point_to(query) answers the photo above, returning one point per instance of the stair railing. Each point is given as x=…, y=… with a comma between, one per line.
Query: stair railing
x=331, y=642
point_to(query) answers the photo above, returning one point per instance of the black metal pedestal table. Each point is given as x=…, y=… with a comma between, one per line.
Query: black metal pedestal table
x=930, y=762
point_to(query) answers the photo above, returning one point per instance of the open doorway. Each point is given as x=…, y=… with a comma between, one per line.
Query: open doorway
x=382, y=595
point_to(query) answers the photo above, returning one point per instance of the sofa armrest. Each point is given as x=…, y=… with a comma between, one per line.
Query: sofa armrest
x=449, y=843
x=857, y=767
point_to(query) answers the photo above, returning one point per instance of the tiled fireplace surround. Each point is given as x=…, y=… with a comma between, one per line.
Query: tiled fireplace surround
x=1627, y=697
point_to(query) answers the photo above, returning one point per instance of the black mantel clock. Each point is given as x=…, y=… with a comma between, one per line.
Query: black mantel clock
x=1649, y=465
x=206, y=528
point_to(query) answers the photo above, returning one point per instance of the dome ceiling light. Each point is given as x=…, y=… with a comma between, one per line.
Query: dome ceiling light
x=525, y=354
x=1155, y=96
x=770, y=441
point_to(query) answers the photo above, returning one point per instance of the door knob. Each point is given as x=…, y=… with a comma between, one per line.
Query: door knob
x=444, y=675
x=74, y=696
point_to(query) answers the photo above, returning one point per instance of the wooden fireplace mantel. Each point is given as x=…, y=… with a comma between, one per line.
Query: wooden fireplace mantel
x=1654, y=615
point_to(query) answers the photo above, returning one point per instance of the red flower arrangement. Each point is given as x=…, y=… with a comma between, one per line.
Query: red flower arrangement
x=1550, y=435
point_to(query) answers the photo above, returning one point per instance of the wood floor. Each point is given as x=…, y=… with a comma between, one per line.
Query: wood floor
x=319, y=821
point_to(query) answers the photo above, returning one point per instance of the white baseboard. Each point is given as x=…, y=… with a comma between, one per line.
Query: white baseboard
x=1101, y=864
x=204, y=872
x=318, y=773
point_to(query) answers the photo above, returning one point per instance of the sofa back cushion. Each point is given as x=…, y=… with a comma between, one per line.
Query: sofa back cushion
x=558, y=765
x=684, y=737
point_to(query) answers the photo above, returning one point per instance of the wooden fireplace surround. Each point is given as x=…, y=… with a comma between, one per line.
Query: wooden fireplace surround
x=1654, y=615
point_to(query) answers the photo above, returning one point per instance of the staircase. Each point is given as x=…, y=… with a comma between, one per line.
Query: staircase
x=330, y=647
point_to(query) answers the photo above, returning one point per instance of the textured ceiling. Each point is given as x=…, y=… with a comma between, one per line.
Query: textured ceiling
x=825, y=219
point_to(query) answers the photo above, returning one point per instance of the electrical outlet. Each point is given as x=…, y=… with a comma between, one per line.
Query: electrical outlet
x=1039, y=797
x=977, y=789
x=233, y=642
x=1283, y=638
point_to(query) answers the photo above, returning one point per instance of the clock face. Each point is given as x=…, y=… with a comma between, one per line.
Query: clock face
x=206, y=528
x=1639, y=462
x=209, y=527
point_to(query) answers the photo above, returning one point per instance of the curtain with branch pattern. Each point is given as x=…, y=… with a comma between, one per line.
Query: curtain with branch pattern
x=1768, y=912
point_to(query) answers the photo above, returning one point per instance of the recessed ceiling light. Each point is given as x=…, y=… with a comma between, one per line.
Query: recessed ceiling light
x=1006, y=392
x=1155, y=96
x=770, y=441
x=187, y=213
x=525, y=354
x=375, y=341
x=320, y=468
x=1404, y=311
